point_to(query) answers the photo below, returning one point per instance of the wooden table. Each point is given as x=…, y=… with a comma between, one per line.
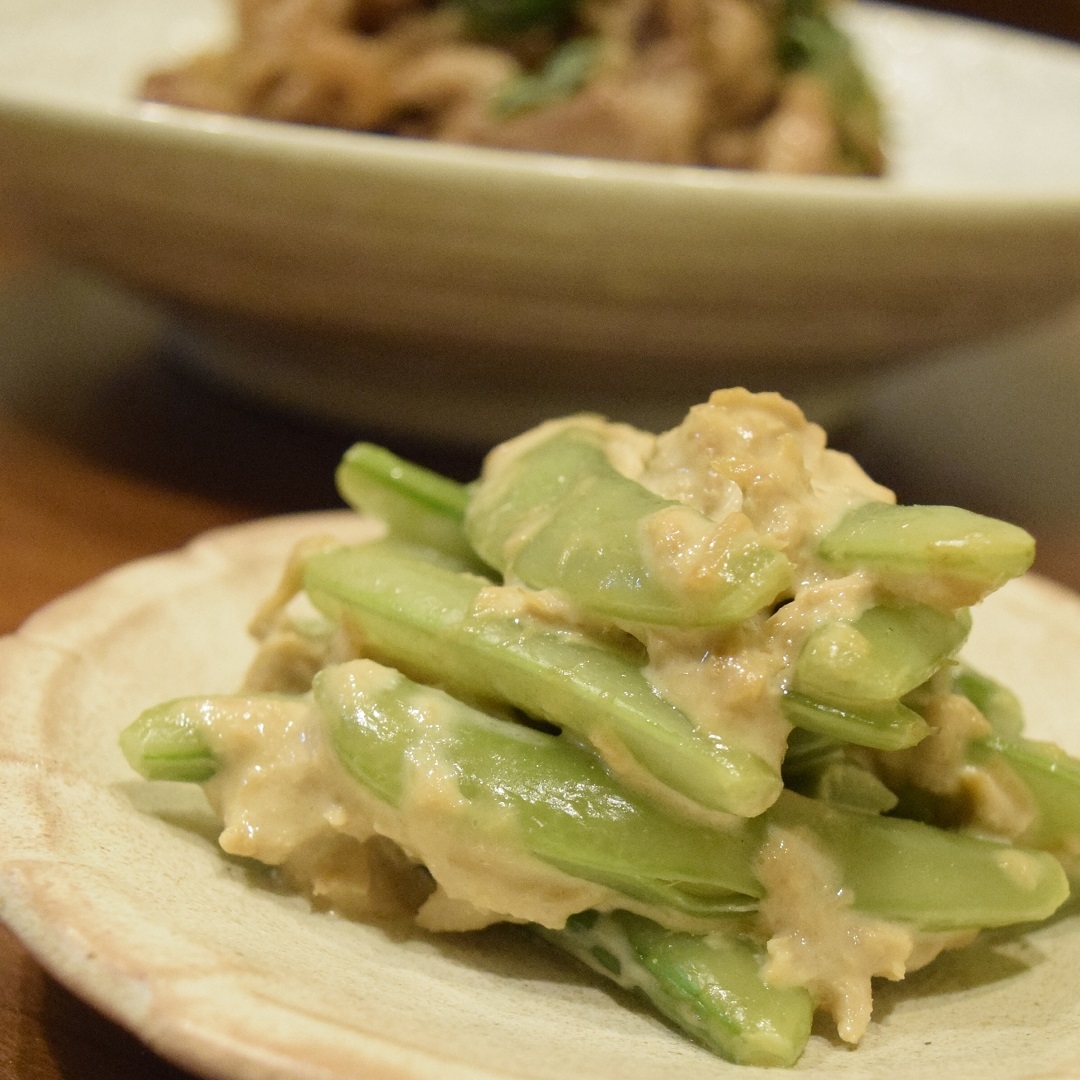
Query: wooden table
x=134, y=456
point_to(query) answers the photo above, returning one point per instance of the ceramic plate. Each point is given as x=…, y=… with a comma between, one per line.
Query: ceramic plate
x=118, y=888
x=475, y=292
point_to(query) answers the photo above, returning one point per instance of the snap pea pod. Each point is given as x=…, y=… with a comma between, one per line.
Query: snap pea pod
x=516, y=792
x=544, y=795
x=517, y=784
x=850, y=675
x=710, y=986
x=426, y=620
x=885, y=653
x=806, y=751
x=997, y=703
x=888, y=726
x=168, y=741
x=821, y=768
x=931, y=878
x=560, y=516
x=416, y=504
x=929, y=547
x=844, y=783
x=1051, y=776
x=1053, y=779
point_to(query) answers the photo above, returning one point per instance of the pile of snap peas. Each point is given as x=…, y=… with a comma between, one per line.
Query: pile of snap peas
x=559, y=745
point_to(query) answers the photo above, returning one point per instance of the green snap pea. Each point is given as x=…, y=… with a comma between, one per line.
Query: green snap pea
x=929, y=545
x=1053, y=779
x=834, y=778
x=885, y=653
x=850, y=675
x=711, y=986
x=1049, y=776
x=516, y=790
x=889, y=726
x=541, y=794
x=168, y=742
x=525, y=791
x=417, y=505
x=997, y=703
x=915, y=873
x=562, y=517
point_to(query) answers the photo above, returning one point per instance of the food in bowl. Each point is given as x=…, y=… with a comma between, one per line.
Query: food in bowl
x=689, y=705
x=772, y=85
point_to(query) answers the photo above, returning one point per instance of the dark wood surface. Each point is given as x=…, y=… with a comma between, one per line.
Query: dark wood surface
x=134, y=455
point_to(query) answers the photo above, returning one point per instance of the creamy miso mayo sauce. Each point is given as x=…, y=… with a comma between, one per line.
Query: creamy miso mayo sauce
x=758, y=455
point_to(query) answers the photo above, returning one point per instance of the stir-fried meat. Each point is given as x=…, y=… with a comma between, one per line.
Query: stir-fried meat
x=758, y=84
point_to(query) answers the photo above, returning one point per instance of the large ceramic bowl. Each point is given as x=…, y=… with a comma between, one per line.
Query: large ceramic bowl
x=457, y=290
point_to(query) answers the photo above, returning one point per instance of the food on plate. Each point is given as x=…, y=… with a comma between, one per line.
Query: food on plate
x=688, y=704
x=751, y=84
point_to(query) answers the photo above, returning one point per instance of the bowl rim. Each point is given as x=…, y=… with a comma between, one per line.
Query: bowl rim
x=403, y=157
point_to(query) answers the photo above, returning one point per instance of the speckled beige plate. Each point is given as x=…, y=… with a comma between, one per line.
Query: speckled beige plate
x=118, y=888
